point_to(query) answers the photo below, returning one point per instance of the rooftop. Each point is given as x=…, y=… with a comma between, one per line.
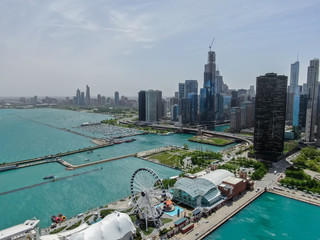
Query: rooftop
x=233, y=180
x=194, y=187
x=179, y=221
x=19, y=229
x=217, y=176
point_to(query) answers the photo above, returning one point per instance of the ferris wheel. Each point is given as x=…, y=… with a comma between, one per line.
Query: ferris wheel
x=148, y=192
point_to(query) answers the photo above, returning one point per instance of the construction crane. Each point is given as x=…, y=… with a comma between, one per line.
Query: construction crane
x=211, y=44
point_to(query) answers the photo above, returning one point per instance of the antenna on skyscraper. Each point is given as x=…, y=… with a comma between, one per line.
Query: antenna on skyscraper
x=211, y=44
x=297, y=56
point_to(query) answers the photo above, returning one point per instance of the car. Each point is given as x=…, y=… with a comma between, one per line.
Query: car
x=53, y=225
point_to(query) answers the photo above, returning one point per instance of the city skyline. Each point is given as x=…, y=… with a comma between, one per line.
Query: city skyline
x=52, y=48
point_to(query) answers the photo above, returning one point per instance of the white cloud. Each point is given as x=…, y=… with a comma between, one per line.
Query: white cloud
x=158, y=42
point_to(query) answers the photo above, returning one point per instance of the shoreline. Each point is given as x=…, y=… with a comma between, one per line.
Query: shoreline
x=277, y=192
x=230, y=215
x=296, y=197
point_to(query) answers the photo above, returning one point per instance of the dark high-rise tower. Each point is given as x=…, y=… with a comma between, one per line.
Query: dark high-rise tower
x=142, y=105
x=270, y=113
x=207, y=93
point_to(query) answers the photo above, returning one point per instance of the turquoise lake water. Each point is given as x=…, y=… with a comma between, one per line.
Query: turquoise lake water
x=33, y=133
x=272, y=217
x=221, y=128
x=26, y=134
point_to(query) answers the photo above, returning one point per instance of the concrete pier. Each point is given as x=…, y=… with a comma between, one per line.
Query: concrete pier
x=72, y=167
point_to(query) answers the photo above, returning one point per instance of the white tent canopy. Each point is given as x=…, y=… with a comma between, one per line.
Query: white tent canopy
x=114, y=226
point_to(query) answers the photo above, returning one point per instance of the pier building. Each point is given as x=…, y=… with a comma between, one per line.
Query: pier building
x=202, y=191
x=27, y=230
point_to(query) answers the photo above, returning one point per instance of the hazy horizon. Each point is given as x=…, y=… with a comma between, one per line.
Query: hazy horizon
x=52, y=48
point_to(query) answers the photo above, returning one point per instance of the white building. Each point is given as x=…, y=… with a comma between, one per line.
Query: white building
x=28, y=230
x=115, y=226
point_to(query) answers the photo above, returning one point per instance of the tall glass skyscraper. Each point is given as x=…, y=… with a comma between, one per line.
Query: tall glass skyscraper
x=88, y=95
x=207, y=93
x=190, y=86
x=293, y=95
x=116, y=98
x=312, y=88
x=296, y=108
x=294, y=78
x=193, y=105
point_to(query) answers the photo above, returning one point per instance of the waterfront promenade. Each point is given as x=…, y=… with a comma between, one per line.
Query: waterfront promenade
x=206, y=225
x=297, y=195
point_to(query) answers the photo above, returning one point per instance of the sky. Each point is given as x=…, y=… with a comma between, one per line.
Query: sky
x=52, y=48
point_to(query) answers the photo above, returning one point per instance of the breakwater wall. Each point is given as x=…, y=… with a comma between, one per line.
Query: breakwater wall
x=72, y=167
x=41, y=160
x=46, y=182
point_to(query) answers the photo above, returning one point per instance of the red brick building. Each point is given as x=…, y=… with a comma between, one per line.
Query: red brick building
x=232, y=186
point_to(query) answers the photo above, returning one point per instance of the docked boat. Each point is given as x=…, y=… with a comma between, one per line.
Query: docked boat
x=48, y=177
x=59, y=218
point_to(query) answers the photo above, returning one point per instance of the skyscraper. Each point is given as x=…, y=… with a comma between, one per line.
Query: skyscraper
x=82, y=99
x=207, y=93
x=293, y=90
x=174, y=112
x=181, y=91
x=87, y=101
x=190, y=86
x=219, y=82
x=142, y=105
x=235, y=119
x=193, y=106
x=303, y=102
x=78, y=96
x=312, y=93
x=219, y=111
x=153, y=105
x=294, y=78
x=116, y=98
x=270, y=112
x=159, y=104
x=188, y=101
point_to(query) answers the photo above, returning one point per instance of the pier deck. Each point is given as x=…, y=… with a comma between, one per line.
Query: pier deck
x=48, y=158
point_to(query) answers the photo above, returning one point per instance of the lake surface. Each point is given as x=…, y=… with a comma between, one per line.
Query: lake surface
x=221, y=128
x=31, y=133
x=272, y=217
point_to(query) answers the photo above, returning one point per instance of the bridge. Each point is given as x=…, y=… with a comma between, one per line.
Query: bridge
x=194, y=131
